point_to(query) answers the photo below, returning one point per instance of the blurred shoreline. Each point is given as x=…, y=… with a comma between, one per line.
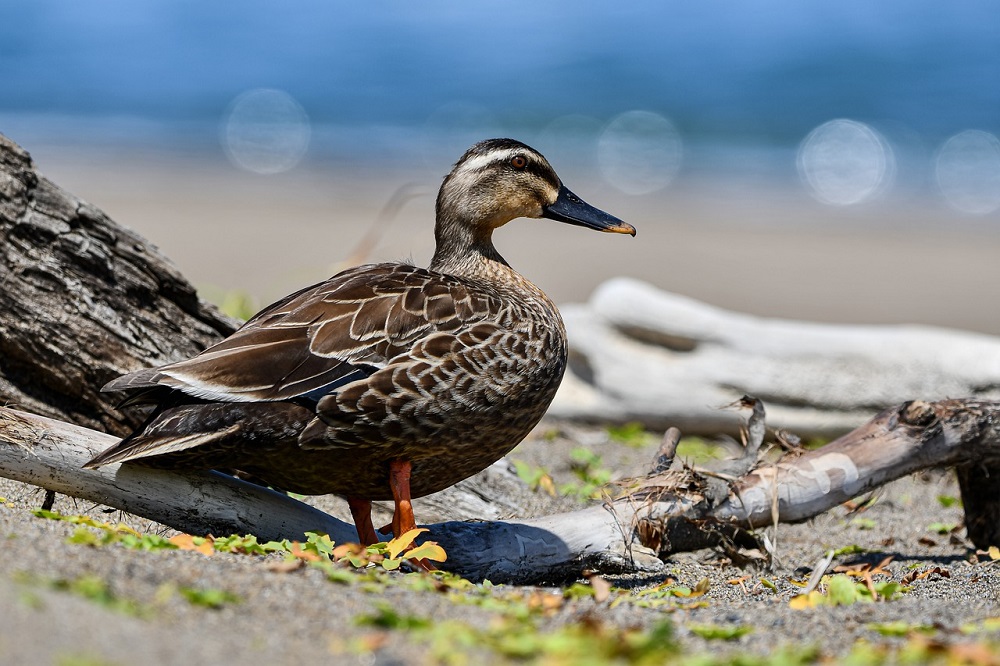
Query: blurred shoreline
x=754, y=246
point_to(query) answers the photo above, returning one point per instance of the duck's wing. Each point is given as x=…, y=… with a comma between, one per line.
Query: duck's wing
x=323, y=337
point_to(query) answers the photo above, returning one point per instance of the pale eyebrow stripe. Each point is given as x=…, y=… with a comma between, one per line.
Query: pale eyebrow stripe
x=480, y=161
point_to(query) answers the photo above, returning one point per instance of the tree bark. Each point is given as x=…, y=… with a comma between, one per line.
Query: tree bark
x=980, y=486
x=83, y=300
x=667, y=512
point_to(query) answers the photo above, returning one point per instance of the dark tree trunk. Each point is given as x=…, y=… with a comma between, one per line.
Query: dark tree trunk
x=980, y=485
x=83, y=300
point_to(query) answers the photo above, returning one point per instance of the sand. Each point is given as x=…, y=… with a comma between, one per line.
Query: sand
x=299, y=616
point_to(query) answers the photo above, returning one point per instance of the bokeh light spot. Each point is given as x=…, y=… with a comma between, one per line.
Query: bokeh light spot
x=639, y=152
x=845, y=162
x=968, y=172
x=265, y=131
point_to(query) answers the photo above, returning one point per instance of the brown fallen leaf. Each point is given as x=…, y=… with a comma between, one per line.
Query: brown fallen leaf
x=546, y=602
x=919, y=575
x=296, y=550
x=286, y=566
x=978, y=654
x=602, y=588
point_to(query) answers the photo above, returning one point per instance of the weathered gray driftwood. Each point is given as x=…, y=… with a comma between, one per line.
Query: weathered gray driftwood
x=641, y=354
x=667, y=512
x=83, y=300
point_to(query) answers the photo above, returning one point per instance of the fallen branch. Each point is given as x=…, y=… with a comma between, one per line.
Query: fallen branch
x=664, y=513
x=641, y=354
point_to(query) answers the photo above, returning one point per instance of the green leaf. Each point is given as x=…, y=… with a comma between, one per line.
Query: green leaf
x=714, y=632
x=387, y=617
x=889, y=590
x=209, y=597
x=941, y=528
x=319, y=543
x=45, y=513
x=632, y=434
x=578, y=591
x=900, y=628
x=852, y=549
x=85, y=537
x=842, y=591
x=948, y=501
x=697, y=450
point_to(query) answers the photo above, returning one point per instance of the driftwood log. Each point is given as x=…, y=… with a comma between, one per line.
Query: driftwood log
x=82, y=301
x=669, y=511
x=641, y=354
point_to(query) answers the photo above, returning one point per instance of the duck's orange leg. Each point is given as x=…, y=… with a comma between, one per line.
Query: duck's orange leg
x=402, y=518
x=399, y=481
x=361, y=510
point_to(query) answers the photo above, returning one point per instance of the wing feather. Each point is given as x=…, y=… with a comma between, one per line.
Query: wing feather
x=325, y=336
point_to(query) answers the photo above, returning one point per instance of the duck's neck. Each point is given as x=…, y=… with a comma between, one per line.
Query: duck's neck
x=464, y=247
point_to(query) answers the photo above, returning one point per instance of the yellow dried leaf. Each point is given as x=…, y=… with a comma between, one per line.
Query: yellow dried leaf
x=546, y=483
x=203, y=545
x=804, y=601
x=124, y=529
x=993, y=552
x=402, y=542
x=701, y=588
x=346, y=549
x=427, y=551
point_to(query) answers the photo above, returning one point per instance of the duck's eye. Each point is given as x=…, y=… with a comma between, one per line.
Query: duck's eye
x=518, y=162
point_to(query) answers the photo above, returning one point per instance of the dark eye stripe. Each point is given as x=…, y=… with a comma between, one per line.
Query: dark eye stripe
x=533, y=167
x=543, y=172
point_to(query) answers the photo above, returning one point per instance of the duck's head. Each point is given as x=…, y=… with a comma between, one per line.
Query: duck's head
x=499, y=180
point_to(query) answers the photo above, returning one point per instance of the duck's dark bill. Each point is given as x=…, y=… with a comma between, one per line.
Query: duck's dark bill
x=572, y=209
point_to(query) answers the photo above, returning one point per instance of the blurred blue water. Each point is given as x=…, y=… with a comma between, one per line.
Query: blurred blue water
x=729, y=75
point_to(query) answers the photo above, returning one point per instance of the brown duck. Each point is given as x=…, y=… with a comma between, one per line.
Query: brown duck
x=387, y=381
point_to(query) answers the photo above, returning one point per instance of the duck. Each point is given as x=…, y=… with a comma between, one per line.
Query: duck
x=387, y=381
